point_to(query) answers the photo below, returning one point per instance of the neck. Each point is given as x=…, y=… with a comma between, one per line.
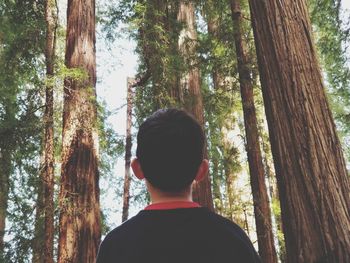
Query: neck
x=158, y=196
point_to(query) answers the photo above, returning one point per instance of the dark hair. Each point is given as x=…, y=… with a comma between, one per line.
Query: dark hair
x=170, y=149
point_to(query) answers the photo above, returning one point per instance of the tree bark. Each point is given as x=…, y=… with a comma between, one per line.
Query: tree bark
x=43, y=248
x=79, y=224
x=5, y=171
x=274, y=196
x=262, y=211
x=191, y=86
x=38, y=240
x=128, y=145
x=311, y=173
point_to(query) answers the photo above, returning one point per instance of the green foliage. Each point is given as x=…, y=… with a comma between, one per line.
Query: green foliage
x=332, y=41
x=111, y=145
x=21, y=69
x=62, y=72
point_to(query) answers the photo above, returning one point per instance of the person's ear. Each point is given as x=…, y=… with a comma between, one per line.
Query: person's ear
x=202, y=170
x=136, y=167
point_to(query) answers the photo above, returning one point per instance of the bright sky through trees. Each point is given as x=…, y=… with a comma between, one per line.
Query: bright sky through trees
x=141, y=38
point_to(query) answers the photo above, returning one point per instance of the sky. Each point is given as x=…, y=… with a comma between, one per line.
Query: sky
x=113, y=68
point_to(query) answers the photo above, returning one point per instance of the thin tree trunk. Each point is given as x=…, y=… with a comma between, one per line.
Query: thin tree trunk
x=39, y=231
x=274, y=196
x=262, y=211
x=5, y=171
x=51, y=14
x=128, y=145
x=190, y=84
x=229, y=178
x=218, y=85
x=79, y=224
x=311, y=173
x=217, y=195
x=43, y=247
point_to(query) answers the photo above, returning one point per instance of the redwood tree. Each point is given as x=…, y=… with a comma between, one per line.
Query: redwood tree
x=190, y=85
x=43, y=247
x=262, y=211
x=311, y=173
x=79, y=224
x=128, y=145
x=5, y=171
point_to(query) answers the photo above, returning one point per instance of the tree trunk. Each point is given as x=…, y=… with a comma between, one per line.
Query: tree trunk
x=274, y=196
x=212, y=23
x=190, y=85
x=262, y=211
x=51, y=14
x=229, y=178
x=218, y=205
x=5, y=171
x=311, y=173
x=38, y=240
x=43, y=248
x=128, y=145
x=79, y=224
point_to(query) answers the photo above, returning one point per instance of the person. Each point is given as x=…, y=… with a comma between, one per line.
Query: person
x=173, y=228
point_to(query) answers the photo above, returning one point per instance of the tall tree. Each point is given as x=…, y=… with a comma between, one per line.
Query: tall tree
x=20, y=67
x=79, y=224
x=311, y=173
x=157, y=39
x=215, y=128
x=5, y=172
x=262, y=211
x=273, y=192
x=43, y=247
x=128, y=145
x=190, y=85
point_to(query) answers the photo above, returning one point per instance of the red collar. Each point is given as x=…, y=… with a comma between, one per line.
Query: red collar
x=172, y=205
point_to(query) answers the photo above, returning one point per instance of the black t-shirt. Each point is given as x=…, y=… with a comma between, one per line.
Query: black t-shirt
x=177, y=235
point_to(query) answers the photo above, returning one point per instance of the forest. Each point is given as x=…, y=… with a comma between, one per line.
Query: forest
x=268, y=81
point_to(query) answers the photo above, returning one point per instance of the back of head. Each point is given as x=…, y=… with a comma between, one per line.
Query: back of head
x=170, y=149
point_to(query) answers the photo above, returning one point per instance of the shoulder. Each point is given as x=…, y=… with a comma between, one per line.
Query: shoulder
x=227, y=225
x=222, y=222
x=233, y=235
x=124, y=230
x=115, y=239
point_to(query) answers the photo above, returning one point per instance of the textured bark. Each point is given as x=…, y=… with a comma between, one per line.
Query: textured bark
x=79, y=224
x=38, y=240
x=128, y=145
x=5, y=171
x=262, y=211
x=191, y=88
x=311, y=173
x=43, y=247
